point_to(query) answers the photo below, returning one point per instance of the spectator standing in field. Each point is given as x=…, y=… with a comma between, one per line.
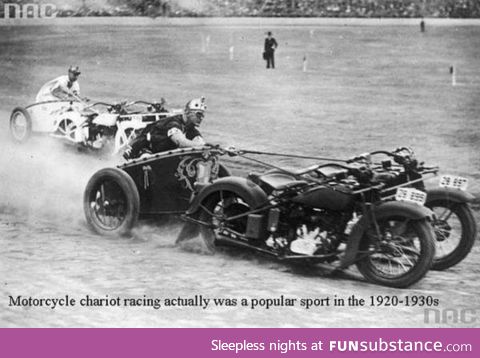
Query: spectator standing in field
x=422, y=25
x=269, y=50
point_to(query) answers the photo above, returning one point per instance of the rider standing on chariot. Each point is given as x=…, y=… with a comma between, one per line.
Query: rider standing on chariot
x=177, y=131
x=61, y=88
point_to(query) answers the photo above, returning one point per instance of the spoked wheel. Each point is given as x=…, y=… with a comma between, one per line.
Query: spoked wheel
x=67, y=128
x=455, y=232
x=20, y=125
x=111, y=202
x=124, y=138
x=401, y=255
x=130, y=135
x=221, y=213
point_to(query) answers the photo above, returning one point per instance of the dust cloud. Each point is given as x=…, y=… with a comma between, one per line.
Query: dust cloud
x=42, y=183
x=45, y=179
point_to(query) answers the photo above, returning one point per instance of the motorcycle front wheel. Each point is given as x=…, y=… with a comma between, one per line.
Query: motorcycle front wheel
x=396, y=253
x=455, y=231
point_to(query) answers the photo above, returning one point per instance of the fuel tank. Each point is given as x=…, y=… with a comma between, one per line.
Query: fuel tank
x=106, y=119
x=336, y=198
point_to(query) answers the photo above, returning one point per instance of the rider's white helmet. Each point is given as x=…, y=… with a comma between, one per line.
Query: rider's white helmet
x=74, y=69
x=196, y=105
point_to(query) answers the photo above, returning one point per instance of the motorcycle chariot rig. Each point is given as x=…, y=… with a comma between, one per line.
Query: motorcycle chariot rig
x=330, y=213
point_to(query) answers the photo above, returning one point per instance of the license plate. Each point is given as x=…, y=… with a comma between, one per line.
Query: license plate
x=411, y=195
x=451, y=181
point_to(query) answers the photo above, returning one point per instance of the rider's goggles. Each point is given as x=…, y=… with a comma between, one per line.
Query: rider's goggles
x=199, y=115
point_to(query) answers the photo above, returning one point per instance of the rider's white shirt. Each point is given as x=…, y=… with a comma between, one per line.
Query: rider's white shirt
x=59, y=83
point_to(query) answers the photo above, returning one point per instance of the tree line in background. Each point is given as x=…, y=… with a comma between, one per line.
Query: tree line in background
x=265, y=8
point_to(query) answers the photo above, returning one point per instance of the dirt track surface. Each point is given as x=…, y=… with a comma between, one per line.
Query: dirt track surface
x=47, y=250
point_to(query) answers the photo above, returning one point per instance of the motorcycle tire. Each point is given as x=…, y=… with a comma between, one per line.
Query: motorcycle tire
x=111, y=202
x=190, y=230
x=464, y=218
x=423, y=231
x=233, y=205
x=23, y=135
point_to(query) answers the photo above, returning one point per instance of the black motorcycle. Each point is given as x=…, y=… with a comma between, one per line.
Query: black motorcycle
x=336, y=215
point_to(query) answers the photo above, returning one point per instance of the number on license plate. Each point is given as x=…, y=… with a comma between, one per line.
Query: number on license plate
x=411, y=195
x=450, y=181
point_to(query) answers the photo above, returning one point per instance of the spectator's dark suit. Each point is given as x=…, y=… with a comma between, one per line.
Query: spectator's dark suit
x=270, y=46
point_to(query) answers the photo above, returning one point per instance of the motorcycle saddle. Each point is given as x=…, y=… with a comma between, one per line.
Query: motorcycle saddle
x=276, y=180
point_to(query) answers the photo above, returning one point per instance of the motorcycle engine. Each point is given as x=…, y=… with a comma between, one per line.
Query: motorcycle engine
x=322, y=228
x=310, y=231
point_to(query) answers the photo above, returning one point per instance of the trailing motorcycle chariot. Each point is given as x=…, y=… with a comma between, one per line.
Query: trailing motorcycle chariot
x=329, y=213
x=98, y=126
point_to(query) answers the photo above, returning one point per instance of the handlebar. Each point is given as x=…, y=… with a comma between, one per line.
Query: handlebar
x=347, y=167
x=386, y=152
x=162, y=102
x=100, y=104
x=90, y=106
x=365, y=156
x=404, y=156
x=112, y=106
x=141, y=102
x=427, y=170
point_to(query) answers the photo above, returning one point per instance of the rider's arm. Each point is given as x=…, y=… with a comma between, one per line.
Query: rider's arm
x=58, y=91
x=199, y=141
x=61, y=90
x=194, y=135
x=179, y=138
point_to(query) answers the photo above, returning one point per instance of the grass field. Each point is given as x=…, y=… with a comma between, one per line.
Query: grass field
x=365, y=88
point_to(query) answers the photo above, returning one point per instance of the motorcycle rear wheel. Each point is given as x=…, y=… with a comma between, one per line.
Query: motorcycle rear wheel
x=401, y=256
x=217, y=210
x=455, y=232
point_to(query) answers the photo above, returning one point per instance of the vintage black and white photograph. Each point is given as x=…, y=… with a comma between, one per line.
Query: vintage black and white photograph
x=250, y=163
